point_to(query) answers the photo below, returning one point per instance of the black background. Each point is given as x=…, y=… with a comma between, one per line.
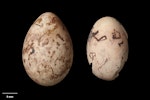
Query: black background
x=79, y=18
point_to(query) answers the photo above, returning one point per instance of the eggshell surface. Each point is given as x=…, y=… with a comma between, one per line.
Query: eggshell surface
x=47, y=52
x=107, y=48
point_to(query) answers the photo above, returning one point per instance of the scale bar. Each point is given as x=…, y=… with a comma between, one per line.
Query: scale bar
x=9, y=92
x=9, y=96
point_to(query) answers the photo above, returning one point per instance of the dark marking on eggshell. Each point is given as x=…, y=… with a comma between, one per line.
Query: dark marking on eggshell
x=116, y=34
x=103, y=63
x=38, y=22
x=46, y=41
x=24, y=60
x=92, y=34
x=120, y=44
x=63, y=27
x=32, y=51
x=62, y=58
x=67, y=47
x=58, y=44
x=101, y=38
x=53, y=75
x=29, y=46
x=38, y=25
x=40, y=39
x=29, y=64
x=60, y=37
x=67, y=64
x=122, y=58
x=38, y=72
x=54, y=19
x=53, y=54
x=52, y=30
x=49, y=52
x=53, y=40
x=92, y=55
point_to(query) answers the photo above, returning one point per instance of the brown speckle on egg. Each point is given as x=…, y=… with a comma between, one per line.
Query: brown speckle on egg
x=60, y=37
x=38, y=21
x=45, y=42
x=58, y=44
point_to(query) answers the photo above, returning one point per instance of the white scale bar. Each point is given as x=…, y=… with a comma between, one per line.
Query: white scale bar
x=9, y=93
x=7, y=96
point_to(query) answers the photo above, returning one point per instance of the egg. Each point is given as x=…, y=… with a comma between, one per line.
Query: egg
x=107, y=48
x=47, y=52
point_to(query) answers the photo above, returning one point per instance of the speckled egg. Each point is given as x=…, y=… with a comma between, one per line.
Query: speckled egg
x=107, y=48
x=47, y=52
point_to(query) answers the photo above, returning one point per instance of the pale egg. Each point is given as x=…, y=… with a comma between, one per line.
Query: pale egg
x=47, y=52
x=107, y=48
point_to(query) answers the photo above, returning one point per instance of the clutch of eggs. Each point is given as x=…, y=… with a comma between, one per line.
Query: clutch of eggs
x=47, y=52
x=107, y=48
